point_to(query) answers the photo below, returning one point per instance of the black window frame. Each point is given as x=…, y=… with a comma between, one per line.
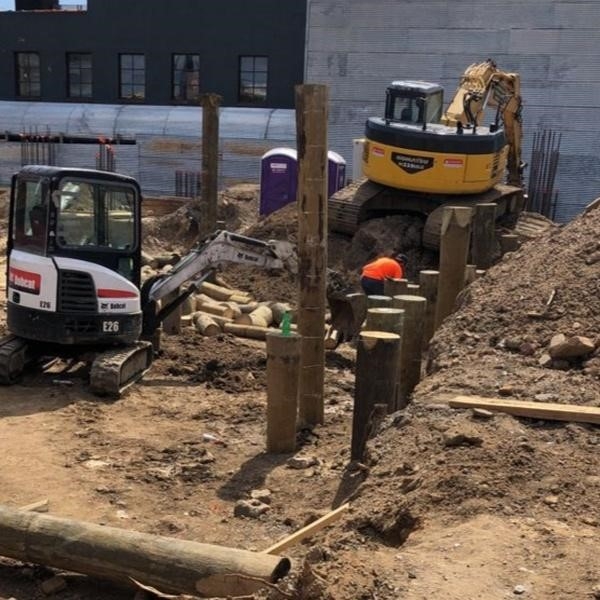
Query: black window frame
x=252, y=98
x=182, y=95
x=82, y=71
x=24, y=72
x=132, y=70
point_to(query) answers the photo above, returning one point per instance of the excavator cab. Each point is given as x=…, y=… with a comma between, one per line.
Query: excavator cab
x=73, y=253
x=415, y=102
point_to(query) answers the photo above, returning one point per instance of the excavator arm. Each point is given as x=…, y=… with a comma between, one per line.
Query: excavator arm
x=483, y=85
x=220, y=248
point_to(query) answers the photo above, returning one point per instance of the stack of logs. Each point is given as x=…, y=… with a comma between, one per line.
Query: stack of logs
x=218, y=308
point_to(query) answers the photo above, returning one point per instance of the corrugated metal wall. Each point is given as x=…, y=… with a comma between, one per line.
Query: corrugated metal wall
x=357, y=47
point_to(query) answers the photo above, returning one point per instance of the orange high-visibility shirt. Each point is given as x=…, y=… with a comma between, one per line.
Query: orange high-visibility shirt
x=383, y=268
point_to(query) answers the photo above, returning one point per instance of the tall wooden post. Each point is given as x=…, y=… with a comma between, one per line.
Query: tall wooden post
x=454, y=249
x=376, y=365
x=283, y=367
x=412, y=340
x=482, y=244
x=311, y=134
x=210, y=160
x=428, y=284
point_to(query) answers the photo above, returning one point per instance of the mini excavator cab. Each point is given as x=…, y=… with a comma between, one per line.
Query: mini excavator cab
x=70, y=228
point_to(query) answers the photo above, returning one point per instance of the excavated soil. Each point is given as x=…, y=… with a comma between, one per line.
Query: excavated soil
x=449, y=504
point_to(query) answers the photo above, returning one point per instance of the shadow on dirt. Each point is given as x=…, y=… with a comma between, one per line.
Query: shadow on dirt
x=251, y=475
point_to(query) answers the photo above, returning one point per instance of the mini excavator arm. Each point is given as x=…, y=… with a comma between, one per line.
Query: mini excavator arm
x=220, y=248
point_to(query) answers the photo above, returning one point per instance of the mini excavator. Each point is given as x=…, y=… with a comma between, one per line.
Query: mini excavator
x=418, y=158
x=73, y=274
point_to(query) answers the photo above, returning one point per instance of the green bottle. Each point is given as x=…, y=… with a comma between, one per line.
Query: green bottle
x=286, y=324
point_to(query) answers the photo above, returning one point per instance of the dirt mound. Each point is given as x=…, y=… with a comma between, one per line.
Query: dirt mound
x=178, y=231
x=507, y=318
x=434, y=466
x=223, y=362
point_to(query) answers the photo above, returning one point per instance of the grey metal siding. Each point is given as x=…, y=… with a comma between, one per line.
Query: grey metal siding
x=358, y=47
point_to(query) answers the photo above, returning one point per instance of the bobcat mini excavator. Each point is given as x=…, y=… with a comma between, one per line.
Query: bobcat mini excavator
x=417, y=158
x=73, y=274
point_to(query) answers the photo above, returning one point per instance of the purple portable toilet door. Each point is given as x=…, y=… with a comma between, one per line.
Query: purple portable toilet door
x=336, y=173
x=278, y=179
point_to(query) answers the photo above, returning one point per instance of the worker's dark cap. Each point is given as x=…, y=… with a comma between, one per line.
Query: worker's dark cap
x=402, y=258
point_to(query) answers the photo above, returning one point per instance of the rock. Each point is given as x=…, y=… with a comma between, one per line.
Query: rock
x=545, y=397
x=527, y=349
x=592, y=259
x=301, y=462
x=551, y=500
x=263, y=496
x=250, y=508
x=512, y=343
x=53, y=585
x=519, y=589
x=482, y=413
x=506, y=390
x=564, y=348
x=462, y=438
x=545, y=360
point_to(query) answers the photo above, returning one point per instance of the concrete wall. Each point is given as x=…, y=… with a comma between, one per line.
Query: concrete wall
x=358, y=47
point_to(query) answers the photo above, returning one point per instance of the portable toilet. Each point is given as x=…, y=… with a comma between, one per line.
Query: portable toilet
x=278, y=179
x=336, y=173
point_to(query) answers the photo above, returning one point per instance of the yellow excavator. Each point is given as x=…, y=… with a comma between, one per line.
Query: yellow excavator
x=417, y=158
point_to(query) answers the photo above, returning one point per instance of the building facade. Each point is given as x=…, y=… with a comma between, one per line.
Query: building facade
x=156, y=52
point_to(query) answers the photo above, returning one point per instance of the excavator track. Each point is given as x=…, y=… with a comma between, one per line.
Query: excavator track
x=13, y=358
x=362, y=200
x=114, y=370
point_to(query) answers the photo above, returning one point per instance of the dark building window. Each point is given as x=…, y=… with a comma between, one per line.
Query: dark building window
x=28, y=75
x=253, y=79
x=186, y=77
x=132, y=72
x=80, y=75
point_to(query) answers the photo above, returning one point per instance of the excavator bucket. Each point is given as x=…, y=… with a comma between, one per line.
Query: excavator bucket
x=348, y=311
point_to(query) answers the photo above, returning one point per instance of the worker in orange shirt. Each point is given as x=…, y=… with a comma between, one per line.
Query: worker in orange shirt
x=375, y=273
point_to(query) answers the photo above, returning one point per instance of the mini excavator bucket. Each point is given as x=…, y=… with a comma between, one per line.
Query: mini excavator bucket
x=348, y=310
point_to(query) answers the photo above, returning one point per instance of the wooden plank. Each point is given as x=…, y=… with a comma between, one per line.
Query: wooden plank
x=307, y=531
x=535, y=410
x=39, y=506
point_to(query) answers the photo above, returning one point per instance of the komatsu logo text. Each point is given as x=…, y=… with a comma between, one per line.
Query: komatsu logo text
x=412, y=164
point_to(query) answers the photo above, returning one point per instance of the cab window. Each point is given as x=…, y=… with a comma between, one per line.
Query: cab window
x=95, y=215
x=30, y=217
